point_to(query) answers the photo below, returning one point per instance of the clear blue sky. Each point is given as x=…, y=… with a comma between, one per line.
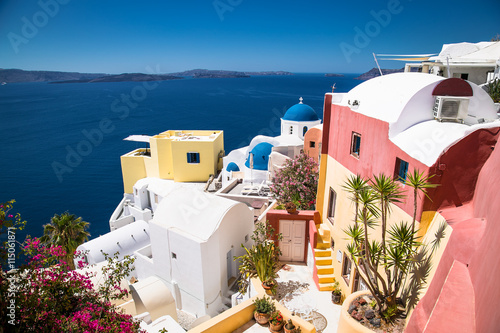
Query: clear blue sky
x=111, y=36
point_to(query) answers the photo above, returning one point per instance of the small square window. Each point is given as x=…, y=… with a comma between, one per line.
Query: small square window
x=401, y=170
x=312, y=144
x=355, y=144
x=291, y=129
x=193, y=158
x=174, y=256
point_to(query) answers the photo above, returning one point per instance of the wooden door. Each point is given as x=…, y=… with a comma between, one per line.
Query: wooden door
x=294, y=239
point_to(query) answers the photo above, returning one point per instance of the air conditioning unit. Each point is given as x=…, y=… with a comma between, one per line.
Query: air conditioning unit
x=450, y=108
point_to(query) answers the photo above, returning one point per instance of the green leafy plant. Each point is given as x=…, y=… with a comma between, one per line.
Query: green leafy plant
x=264, y=305
x=262, y=259
x=276, y=318
x=384, y=265
x=494, y=90
x=336, y=289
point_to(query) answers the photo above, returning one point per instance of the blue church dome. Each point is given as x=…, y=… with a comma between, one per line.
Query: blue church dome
x=300, y=112
x=261, y=154
x=232, y=167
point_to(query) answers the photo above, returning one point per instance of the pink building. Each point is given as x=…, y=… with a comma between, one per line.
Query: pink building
x=444, y=127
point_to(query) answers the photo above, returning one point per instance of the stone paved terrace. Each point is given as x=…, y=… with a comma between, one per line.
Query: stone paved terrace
x=295, y=279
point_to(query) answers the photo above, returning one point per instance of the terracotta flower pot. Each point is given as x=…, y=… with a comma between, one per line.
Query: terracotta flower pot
x=291, y=208
x=275, y=328
x=289, y=326
x=261, y=318
x=268, y=288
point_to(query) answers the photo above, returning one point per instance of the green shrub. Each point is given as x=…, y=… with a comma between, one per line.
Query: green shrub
x=264, y=305
x=494, y=90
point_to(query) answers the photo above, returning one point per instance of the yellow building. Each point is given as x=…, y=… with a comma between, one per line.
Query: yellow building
x=183, y=156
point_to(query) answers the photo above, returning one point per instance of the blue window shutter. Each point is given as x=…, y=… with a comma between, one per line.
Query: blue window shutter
x=403, y=170
x=193, y=157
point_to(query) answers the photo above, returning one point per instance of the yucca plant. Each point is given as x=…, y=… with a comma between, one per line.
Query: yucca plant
x=385, y=264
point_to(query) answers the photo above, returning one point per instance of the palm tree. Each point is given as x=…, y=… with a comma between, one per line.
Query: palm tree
x=68, y=231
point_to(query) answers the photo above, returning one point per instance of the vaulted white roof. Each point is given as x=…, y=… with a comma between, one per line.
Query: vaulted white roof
x=384, y=97
x=124, y=240
x=190, y=211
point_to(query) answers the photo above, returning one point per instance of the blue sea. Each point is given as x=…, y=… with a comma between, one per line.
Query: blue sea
x=61, y=143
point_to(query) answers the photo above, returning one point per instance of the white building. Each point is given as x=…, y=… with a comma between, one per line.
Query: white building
x=194, y=239
x=251, y=163
x=475, y=62
x=298, y=119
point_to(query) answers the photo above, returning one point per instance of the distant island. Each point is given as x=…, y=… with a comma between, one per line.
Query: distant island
x=126, y=77
x=211, y=74
x=268, y=73
x=333, y=75
x=374, y=72
x=19, y=75
x=207, y=73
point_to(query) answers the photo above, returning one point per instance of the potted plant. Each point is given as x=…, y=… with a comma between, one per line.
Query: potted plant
x=276, y=322
x=263, y=309
x=336, y=293
x=261, y=260
x=291, y=208
x=269, y=286
x=289, y=327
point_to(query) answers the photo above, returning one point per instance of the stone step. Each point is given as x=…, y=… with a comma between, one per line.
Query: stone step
x=324, y=233
x=326, y=278
x=322, y=253
x=324, y=260
x=324, y=269
x=326, y=287
x=322, y=245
